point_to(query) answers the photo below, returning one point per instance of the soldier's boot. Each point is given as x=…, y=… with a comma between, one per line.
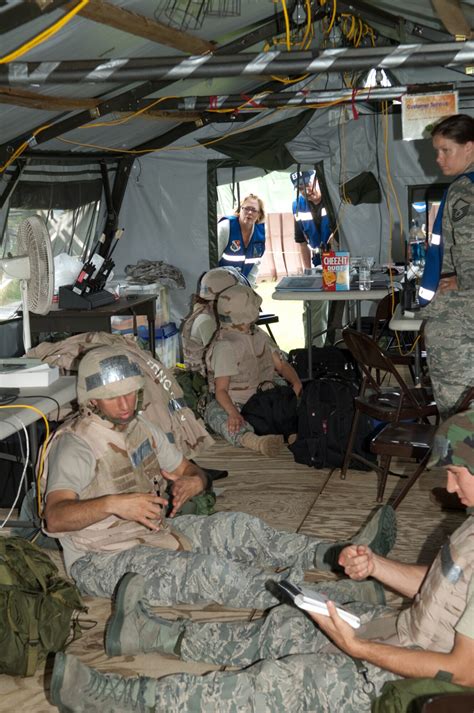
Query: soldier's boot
x=379, y=533
x=267, y=445
x=132, y=629
x=76, y=688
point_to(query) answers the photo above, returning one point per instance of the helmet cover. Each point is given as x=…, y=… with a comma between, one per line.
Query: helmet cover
x=105, y=373
x=238, y=305
x=454, y=442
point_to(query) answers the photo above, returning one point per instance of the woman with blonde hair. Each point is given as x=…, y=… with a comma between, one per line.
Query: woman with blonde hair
x=241, y=237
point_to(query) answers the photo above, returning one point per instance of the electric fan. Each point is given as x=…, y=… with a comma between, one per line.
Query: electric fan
x=34, y=267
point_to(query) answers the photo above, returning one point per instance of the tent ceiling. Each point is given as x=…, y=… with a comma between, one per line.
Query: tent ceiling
x=32, y=105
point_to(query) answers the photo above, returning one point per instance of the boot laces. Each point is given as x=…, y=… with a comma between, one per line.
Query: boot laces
x=126, y=692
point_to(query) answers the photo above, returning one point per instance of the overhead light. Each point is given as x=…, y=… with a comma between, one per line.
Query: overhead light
x=298, y=15
x=377, y=77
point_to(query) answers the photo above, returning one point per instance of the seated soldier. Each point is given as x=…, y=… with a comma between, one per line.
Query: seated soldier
x=200, y=326
x=239, y=359
x=297, y=666
x=106, y=473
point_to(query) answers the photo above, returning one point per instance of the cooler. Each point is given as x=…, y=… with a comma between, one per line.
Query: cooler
x=166, y=343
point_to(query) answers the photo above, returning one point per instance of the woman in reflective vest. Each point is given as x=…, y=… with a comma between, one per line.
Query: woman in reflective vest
x=451, y=240
x=241, y=238
x=450, y=313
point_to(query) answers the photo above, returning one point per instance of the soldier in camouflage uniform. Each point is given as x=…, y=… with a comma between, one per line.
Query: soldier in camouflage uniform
x=299, y=669
x=239, y=359
x=105, y=490
x=450, y=325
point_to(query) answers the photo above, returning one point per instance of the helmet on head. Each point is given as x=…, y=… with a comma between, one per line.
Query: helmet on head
x=214, y=281
x=239, y=276
x=105, y=373
x=238, y=305
x=299, y=178
x=454, y=442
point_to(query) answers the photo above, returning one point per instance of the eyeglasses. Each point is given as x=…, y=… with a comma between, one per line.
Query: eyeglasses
x=248, y=209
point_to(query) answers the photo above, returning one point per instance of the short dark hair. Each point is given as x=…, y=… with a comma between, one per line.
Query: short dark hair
x=459, y=128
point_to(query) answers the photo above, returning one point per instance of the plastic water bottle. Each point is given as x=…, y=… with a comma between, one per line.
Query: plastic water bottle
x=364, y=274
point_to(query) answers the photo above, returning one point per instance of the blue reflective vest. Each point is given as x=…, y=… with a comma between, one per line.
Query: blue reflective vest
x=434, y=256
x=236, y=254
x=317, y=236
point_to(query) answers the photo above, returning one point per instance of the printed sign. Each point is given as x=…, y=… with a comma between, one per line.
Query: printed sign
x=421, y=111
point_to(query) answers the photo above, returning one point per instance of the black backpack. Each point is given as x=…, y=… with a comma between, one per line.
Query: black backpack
x=272, y=411
x=325, y=417
x=327, y=361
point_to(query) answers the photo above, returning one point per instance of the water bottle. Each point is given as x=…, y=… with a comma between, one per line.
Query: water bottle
x=364, y=274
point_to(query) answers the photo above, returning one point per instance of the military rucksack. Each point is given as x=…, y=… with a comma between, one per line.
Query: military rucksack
x=36, y=607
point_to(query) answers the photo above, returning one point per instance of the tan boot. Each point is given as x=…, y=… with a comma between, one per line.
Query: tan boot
x=267, y=445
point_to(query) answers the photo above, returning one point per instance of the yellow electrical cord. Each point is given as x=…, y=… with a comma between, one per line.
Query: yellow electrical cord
x=43, y=448
x=45, y=35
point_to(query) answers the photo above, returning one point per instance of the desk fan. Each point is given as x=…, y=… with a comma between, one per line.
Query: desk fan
x=34, y=267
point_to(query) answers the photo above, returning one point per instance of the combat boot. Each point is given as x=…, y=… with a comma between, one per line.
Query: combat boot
x=267, y=445
x=132, y=629
x=76, y=688
x=379, y=533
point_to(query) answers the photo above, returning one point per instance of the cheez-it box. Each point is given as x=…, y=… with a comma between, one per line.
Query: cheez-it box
x=335, y=270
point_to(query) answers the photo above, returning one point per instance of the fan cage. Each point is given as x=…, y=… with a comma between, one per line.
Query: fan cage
x=33, y=240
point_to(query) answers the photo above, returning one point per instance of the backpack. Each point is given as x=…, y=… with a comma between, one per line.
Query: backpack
x=36, y=604
x=327, y=361
x=325, y=417
x=408, y=695
x=272, y=411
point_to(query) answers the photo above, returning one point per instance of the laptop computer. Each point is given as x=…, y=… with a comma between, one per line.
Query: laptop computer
x=301, y=283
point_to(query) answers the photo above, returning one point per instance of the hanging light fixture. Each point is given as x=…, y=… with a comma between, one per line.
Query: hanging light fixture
x=184, y=14
x=298, y=14
x=223, y=8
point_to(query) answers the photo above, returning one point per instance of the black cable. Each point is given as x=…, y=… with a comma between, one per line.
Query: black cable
x=44, y=396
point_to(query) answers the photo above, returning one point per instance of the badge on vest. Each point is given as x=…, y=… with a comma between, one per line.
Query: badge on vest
x=235, y=246
x=142, y=452
x=450, y=569
x=460, y=209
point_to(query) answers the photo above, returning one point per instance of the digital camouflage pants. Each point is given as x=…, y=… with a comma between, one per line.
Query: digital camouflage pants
x=216, y=418
x=298, y=670
x=233, y=555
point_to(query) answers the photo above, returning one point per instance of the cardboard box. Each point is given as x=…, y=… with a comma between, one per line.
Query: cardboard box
x=336, y=271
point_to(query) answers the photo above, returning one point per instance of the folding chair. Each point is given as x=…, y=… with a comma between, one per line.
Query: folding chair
x=398, y=405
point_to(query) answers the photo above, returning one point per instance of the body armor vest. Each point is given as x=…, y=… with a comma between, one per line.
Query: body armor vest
x=193, y=351
x=126, y=462
x=254, y=357
x=430, y=621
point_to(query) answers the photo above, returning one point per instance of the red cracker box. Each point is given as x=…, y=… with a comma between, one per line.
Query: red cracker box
x=335, y=271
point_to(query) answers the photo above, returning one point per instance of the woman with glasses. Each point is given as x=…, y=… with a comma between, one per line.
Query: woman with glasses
x=241, y=238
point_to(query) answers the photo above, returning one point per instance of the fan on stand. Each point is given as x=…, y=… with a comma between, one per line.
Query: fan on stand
x=34, y=267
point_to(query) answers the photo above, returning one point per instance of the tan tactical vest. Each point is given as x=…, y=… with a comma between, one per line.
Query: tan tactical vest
x=254, y=358
x=126, y=462
x=430, y=621
x=193, y=351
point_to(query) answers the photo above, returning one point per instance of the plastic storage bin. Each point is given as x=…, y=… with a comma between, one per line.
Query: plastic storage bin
x=166, y=343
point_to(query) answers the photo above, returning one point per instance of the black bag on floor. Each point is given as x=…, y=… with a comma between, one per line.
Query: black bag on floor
x=325, y=417
x=327, y=361
x=272, y=410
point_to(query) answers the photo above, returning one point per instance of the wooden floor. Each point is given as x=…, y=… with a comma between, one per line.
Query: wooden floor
x=288, y=496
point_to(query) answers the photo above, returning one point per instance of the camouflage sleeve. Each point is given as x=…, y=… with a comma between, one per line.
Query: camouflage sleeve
x=465, y=624
x=458, y=219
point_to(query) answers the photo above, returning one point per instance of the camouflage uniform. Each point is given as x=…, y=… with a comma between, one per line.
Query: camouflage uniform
x=450, y=325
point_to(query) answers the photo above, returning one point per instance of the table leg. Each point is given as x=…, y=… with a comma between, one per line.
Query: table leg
x=309, y=335
x=358, y=316
x=417, y=363
x=151, y=336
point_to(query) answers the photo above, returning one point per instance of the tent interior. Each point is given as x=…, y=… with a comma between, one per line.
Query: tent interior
x=116, y=113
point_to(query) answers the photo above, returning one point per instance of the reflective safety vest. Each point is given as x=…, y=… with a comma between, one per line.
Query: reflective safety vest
x=236, y=254
x=434, y=256
x=316, y=236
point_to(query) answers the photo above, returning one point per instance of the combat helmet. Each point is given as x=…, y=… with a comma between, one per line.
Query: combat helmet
x=300, y=177
x=238, y=305
x=454, y=442
x=215, y=281
x=107, y=372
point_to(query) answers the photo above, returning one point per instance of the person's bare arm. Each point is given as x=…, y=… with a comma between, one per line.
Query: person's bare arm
x=235, y=420
x=410, y=663
x=64, y=512
x=288, y=373
x=360, y=562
